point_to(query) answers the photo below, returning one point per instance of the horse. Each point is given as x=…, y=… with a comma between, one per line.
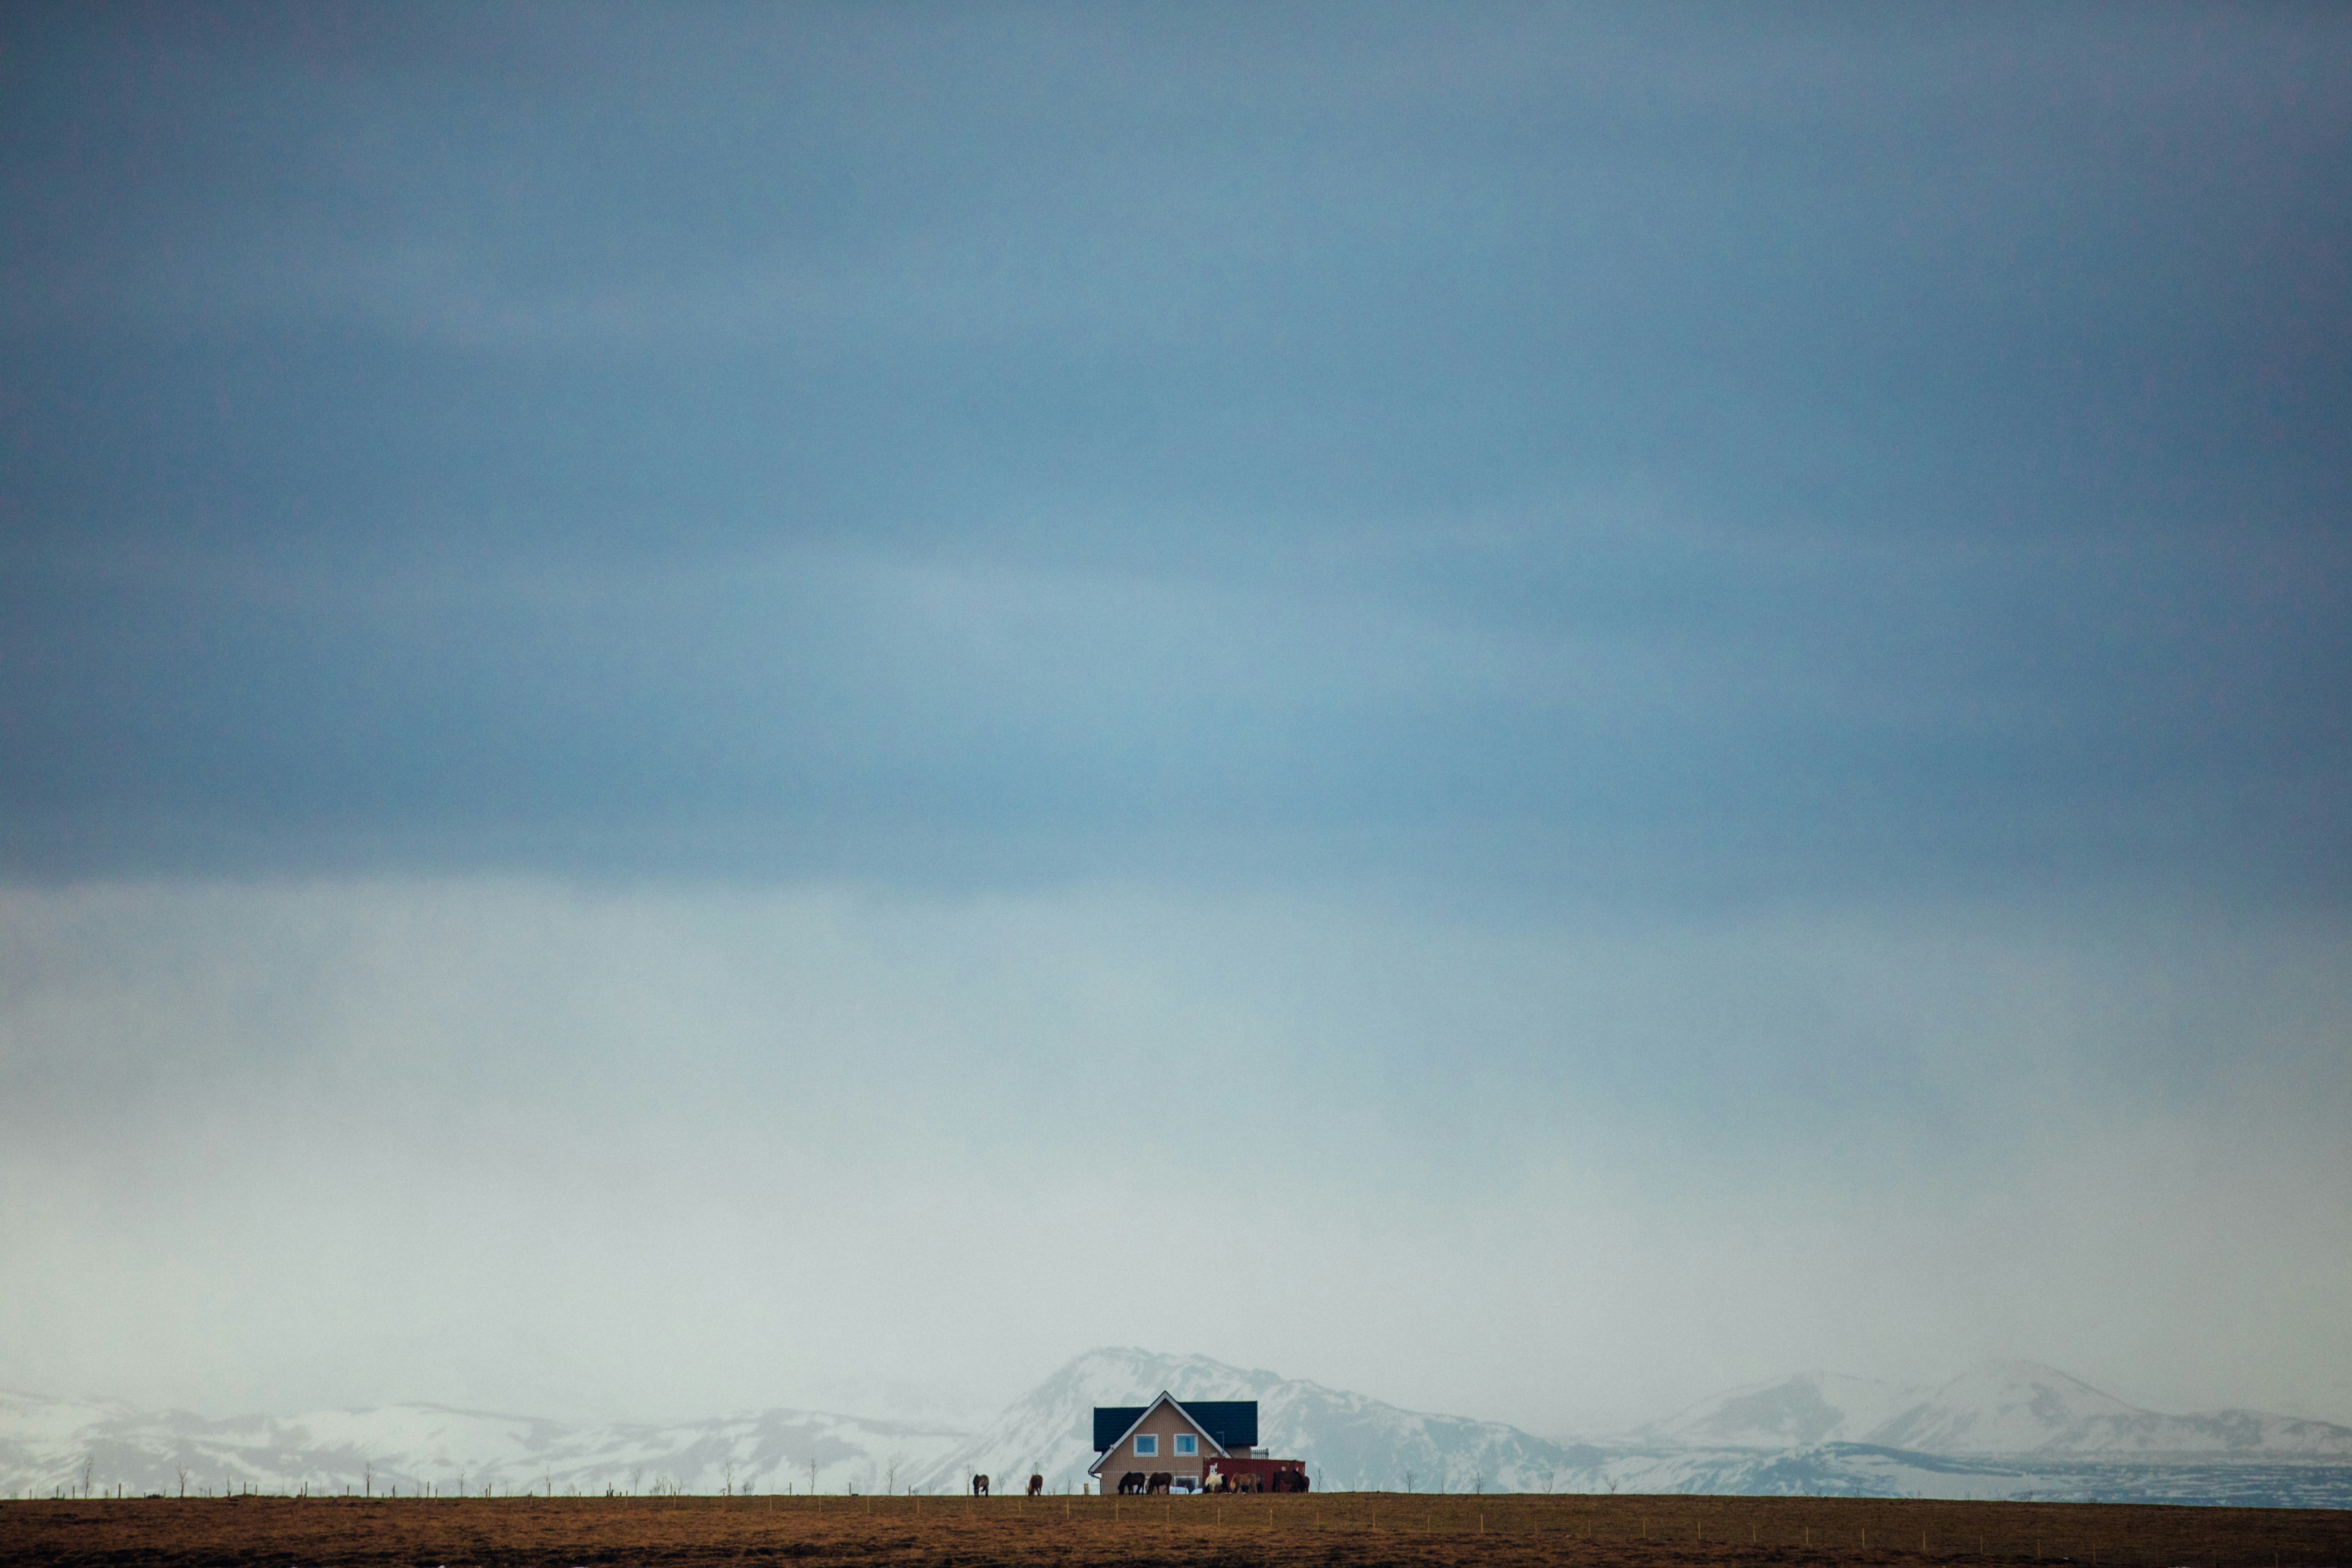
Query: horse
x=980, y=1486
x=1130, y=1482
x=1162, y=1480
x=1037, y=1485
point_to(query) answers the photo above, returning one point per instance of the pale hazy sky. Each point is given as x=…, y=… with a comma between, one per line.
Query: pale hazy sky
x=1530, y=709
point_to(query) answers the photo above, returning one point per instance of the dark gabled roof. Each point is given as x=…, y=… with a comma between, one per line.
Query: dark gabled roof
x=1230, y=1423
x=1110, y=1420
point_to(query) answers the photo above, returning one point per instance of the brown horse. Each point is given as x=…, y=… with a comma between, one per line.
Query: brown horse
x=1037, y=1485
x=980, y=1486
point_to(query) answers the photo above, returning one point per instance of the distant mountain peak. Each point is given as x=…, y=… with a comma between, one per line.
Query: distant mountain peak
x=1797, y=1411
x=2021, y=1407
x=1998, y=1407
x=2036, y=1380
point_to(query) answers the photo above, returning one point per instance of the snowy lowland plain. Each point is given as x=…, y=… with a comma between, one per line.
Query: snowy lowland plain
x=2006, y=1430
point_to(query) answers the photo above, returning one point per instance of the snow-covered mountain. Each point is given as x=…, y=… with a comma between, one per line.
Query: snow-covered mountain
x=1998, y=1408
x=2019, y=1407
x=2004, y=1430
x=1795, y=1412
x=1349, y=1441
x=46, y=1444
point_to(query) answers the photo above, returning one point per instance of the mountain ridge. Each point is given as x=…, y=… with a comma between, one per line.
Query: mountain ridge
x=2012, y=1429
x=2002, y=1409
x=46, y=1443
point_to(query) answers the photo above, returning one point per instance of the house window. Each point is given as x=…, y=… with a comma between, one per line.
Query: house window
x=1187, y=1445
x=1147, y=1447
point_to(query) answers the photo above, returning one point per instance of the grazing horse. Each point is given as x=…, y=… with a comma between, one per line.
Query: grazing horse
x=1130, y=1482
x=1037, y=1485
x=980, y=1486
x=1160, y=1481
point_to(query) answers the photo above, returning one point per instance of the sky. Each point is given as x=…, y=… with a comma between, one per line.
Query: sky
x=1531, y=708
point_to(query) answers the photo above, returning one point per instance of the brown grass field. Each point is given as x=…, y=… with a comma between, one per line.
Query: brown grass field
x=1369, y=1528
